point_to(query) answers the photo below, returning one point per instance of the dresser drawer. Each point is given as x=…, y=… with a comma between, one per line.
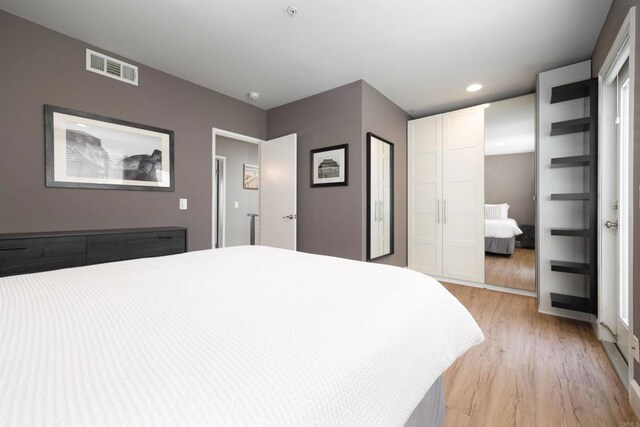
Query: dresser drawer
x=22, y=256
x=119, y=247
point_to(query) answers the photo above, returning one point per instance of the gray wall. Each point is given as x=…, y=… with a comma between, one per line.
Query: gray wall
x=332, y=220
x=385, y=119
x=49, y=68
x=617, y=13
x=510, y=178
x=237, y=153
x=329, y=218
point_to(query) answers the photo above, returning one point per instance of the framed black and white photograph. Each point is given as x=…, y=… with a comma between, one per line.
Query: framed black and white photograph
x=89, y=151
x=330, y=166
x=250, y=177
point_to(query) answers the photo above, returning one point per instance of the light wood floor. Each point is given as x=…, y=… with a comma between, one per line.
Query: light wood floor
x=532, y=370
x=515, y=271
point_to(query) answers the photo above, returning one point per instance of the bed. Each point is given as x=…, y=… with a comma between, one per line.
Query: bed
x=228, y=337
x=500, y=235
x=500, y=231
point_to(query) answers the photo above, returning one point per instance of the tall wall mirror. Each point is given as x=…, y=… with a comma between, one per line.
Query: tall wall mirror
x=379, y=197
x=509, y=187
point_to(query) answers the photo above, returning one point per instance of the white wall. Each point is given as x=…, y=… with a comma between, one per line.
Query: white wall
x=559, y=214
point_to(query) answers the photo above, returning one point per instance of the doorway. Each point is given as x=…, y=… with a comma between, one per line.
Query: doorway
x=615, y=211
x=220, y=200
x=253, y=190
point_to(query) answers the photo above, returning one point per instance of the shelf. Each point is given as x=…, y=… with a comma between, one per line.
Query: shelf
x=571, y=126
x=570, y=302
x=570, y=267
x=567, y=162
x=571, y=91
x=571, y=196
x=571, y=232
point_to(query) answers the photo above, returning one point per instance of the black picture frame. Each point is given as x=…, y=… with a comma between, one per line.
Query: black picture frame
x=50, y=181
x=392, y=198
x=312, y=168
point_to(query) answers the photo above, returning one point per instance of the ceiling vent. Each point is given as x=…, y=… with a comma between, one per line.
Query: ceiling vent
x=111, y=67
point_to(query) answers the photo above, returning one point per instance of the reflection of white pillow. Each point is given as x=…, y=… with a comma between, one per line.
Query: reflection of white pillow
x=496, y=211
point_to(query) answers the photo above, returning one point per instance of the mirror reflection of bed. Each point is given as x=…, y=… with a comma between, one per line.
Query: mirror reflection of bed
x=510, y=193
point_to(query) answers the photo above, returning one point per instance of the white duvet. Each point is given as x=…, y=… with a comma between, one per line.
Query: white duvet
x=229, y=337
x=501, y=228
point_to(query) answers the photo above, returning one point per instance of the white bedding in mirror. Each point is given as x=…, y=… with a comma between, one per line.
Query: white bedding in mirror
x=228, y=337
x=501, y=228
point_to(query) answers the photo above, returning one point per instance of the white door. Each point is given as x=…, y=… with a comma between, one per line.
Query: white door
x=616, y=223
x=278, y=213
x=425, y=195
x=463, y=192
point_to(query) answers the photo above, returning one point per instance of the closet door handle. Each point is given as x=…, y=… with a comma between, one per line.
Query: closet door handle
x=444, y=214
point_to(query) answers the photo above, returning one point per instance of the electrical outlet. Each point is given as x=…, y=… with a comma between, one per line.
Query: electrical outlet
x=183, y=204
x=236, y=205
x=636, y=349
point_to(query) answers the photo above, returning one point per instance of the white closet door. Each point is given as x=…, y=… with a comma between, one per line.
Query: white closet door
x=463, y=189
x=425, y=195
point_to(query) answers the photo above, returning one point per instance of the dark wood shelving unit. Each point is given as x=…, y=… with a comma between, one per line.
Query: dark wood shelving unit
x=570, y=267
x=570, y=232
x=568, y=92
x=570, y=302
x=571, y=196
x=571, y=91
x=572, y=161
x=571, y=126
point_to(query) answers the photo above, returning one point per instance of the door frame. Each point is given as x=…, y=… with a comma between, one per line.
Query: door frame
x=623, y=48
x=215, y=132
x=220, y=198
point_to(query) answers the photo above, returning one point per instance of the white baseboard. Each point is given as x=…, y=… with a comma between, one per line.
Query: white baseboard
x=485, y=286
x=634, y=397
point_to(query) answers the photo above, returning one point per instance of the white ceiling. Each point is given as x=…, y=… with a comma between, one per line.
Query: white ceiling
x=421, y=54
x=509, y=126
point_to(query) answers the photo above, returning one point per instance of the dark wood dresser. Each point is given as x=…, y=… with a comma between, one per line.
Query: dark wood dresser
x=22, y=253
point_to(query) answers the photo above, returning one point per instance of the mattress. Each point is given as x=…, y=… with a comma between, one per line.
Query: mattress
x=501, y=228
x=227, y=337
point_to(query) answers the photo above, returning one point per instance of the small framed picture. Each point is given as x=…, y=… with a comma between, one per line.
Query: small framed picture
x=85, y=150
x=330, y=166
x=251, y=177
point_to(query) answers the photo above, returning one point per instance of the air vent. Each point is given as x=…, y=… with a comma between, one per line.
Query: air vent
x=111, y=67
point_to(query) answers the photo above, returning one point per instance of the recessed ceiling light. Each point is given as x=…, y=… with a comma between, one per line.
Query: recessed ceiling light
x=474, y=87
x=81, y=125
x=499, y=143
x=253, y=95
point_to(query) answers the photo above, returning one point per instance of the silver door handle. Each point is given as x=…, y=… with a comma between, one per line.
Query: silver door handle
x=438, y=211
x=444, y=211
x=292, y=216
x=611, y=224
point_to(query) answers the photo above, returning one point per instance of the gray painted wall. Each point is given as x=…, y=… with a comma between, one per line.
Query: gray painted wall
x=237, y=153
x=510, y=178
x=49, y=68
x=332, y=220
x=616, y=16
x=385, y=119
x=329, y=218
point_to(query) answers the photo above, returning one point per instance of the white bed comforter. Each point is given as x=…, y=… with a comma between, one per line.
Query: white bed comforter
x=229, y=337
x=501, y=228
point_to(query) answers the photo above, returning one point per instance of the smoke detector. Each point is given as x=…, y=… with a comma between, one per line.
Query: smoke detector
x=253, y=95
x=292, y=11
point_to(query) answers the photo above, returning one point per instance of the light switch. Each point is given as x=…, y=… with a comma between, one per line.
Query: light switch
x=183, y=204
x=236, y=205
